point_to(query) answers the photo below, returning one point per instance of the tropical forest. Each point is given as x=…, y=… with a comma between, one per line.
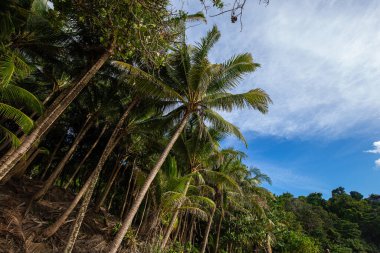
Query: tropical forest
x=115, y=136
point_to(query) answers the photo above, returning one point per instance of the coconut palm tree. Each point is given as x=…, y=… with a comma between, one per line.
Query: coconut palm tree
x=109, y=38
x=199, y=88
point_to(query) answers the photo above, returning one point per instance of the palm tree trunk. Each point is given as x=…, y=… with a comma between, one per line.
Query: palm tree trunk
x=110, y=182
x=52, y=156
x=142, y=216
x=111, y=199
x=219, y=224
x=174, y=218
x=57, y=171
x=9, y=160
x=135, y=206
x=178, y=228
x=20, y=165
x=91, y=181
x=21, y=168
x=86, y=156
x=184, y=228
x=191, y=233
x=205, y=238
x=127, y=193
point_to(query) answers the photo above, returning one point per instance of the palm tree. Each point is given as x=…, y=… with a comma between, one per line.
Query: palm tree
x=194, y=151
x=113, y=37
x=199, y=88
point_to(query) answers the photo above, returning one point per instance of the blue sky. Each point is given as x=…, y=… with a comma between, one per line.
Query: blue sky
x=320, y=63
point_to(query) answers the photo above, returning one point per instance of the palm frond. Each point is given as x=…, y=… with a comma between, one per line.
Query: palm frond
x=20, y=118
x=196, y=211
x=230, y=73
x=12, y=65
x=219, y=178
x=11, y=137
x=219, y=123
x=207, y=42
x=256, y=99
x=12, y=93
x=147, y=82
x=202, y=201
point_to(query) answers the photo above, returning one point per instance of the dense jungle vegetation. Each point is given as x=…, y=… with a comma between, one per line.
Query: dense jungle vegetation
x=110, y=141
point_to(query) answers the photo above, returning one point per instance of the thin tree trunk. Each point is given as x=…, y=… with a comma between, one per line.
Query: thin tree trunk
x=9, y=160
x=182, y=238
x=142, y=216
x=21, y=168
x=191, y=236
x=111, y=180
x=111, y=199
x=205, y=238
x=57, y=171
x=127, y=193
x=91, y=182
x=86, y=156
x=219, y=224
x=135, y=206
x=53, y=155
x=52, y=229
x=174, y=218
x=178, y=228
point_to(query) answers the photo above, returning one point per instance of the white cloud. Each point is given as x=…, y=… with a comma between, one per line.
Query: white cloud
x=376, y=149
x=377, y=163
x=320, y=64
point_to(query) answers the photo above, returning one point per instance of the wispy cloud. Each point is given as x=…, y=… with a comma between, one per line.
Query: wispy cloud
x=377, y=164
x=320, y=64
x=376, y=148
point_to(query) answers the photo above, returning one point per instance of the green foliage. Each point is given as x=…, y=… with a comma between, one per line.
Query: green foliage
x=297, y=242
x=339, y=224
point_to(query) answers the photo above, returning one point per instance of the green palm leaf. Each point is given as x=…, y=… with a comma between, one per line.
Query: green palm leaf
x=12, y=93
x=256, y=99
x=11, y=137
x=219, y=123
x=230, y=73
x=20, y=118
x=147, y=82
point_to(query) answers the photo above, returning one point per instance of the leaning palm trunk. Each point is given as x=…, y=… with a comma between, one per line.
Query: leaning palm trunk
x=88, y=194
x=127, y=194
x=20, y=165
x=174, y=218
x=9, y=160
x=205, y=238
x=110, y=182
x=85, y=157
x=51, y=158
x=136, y=204
x=57, y=171
x=21, y=168
x=91, y=181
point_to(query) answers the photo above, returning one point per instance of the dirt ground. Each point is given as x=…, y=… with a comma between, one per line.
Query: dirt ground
x=22, y=234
